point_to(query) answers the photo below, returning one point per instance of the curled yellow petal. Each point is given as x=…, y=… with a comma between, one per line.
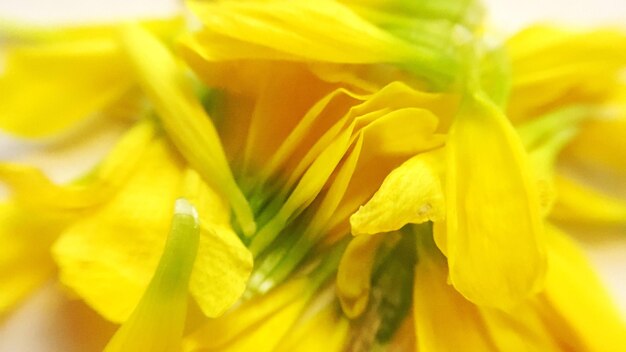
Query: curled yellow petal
x=494, y=245
x=157, y=322
x=412, y=193
x=354, y=274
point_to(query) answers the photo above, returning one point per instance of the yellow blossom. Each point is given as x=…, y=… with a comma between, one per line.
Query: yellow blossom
x=333, y=175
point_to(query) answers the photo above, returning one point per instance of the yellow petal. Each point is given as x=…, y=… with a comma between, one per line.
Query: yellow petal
x=393, y=135
x=298, y=118
x=544, y=138
x=233, y=328
x=354, y=274
x=281, y=30
x=266, y=336
x=109, y=254
x=412, y=193
x=157, y=322
x=33, y=189
x=444, y=320
x=25, y=262
x=555, y=66
x=276, y=107
x=578, y=203
x=493, y=244
x=100, y=262
x=387, y=142
x=183, y=117
x=315, y=228
x=575, y=302
x=377, y=138
x=595, y=153
x=223, y=263
x=325, y=331
x=305, y=192
x=69, y=79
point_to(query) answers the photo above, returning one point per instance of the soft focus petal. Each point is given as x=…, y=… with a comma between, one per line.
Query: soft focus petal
x=68, y=79
x=596, y=152
x=544, y=138
x=33, y=189
x=575, y=302
x=580, y=204
x=554, y=66
x=25, y=262
x=281, y=30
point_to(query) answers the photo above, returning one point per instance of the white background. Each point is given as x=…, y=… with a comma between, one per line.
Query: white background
x=35, y=328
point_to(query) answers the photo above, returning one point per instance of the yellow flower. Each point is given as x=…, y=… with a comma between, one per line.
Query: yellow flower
x=366, y=156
